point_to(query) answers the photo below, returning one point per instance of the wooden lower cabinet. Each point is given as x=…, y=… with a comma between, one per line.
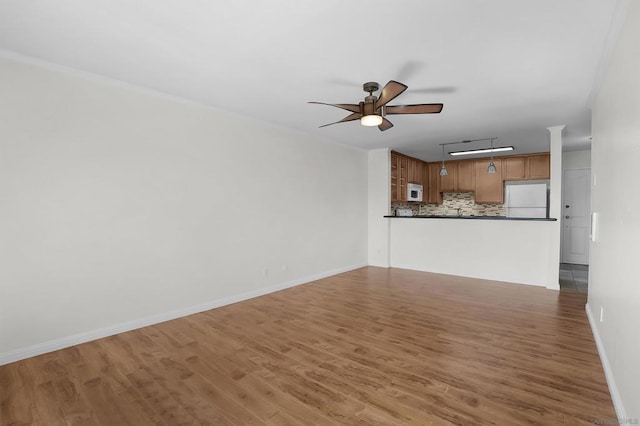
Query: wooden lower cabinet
x=489, y=186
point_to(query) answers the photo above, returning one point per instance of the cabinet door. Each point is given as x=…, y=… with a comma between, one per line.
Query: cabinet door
x=394, y=176
x=489, y=186
x=466, y=176
x=424, y=167
x=414, y=175
x=513, y=168
x=449, y=183
x=419, y=174
x=434, y=196
x=539, y=166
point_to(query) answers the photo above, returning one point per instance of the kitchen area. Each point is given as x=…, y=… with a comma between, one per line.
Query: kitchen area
x=518, y=188
x=500, y=225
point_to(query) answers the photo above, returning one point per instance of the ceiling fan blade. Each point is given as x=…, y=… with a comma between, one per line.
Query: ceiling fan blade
x=386, y=125
x=440, y=89
x=350, y=117
x=413, y=109
x=348, y=107
x=389, y=93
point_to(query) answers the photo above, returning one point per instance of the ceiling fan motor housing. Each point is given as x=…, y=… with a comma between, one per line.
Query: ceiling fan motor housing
x=368, y=107
x=371, y=86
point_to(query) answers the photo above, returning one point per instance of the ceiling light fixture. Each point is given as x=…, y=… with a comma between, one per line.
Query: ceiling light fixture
x=443, y=169
x=371, y=120
x=483, y=150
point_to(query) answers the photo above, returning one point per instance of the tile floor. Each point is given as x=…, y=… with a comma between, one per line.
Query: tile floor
x=574, y=277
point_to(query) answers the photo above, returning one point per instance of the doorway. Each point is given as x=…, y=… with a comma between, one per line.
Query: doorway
x=574, y=278
x=576, y=214
x=575, y=225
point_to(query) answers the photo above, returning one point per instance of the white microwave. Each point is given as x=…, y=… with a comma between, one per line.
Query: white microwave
x=414, y=192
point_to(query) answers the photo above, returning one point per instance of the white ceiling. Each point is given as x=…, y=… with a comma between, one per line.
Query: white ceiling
x=502, y=68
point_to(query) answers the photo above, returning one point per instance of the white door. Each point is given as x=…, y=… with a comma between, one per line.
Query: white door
x=576, y=211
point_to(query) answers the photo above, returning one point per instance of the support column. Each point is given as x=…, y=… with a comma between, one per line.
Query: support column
x=555, y=205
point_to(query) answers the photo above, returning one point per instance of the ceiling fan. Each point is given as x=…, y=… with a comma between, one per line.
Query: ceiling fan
x=373, y=110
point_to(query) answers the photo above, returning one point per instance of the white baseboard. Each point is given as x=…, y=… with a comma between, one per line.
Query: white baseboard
x=76, y=339
x=608, y=372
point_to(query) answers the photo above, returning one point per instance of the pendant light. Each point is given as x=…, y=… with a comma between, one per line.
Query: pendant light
x=492, y=167
x=443, y=169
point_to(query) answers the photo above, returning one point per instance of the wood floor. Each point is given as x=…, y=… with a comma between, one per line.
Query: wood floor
x=369, y=347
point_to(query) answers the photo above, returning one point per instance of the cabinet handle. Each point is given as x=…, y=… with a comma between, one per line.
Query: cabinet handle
x=567, y=206
x=566, y=217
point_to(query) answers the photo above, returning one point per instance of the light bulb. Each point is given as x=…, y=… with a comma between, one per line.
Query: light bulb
x=371, y=120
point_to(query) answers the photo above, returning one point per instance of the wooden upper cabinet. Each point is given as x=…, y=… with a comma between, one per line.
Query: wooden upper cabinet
x=403, y=176
x=489, y=186
x=434, y=194
x=394, y=176
x=449, y=183
x=415, y=171
x=539, y=166
x=532, y=166
x=406, y=170
x=460, y=177
x=513, y=168
x=466, y=176
x=424, y=168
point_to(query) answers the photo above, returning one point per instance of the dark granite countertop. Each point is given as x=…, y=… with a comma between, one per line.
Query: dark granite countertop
x=474, y=217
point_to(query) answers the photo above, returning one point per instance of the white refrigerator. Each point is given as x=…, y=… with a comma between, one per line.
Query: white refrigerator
x=526, y=200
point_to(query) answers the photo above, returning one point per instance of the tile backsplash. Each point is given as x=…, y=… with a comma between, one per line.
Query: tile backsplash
x=451, y=202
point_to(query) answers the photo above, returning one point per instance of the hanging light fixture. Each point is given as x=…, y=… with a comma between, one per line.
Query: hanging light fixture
x=492, y=167
x=443, y=169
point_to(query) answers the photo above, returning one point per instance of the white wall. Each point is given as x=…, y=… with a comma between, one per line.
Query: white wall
x=501, y=250
x=614, y=285
x=120, y=207
x=379, y=206
x=576, y=159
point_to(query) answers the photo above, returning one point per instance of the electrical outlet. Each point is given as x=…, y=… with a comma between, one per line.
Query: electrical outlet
x=285, y=267
x=265, y=272
x=601, y=314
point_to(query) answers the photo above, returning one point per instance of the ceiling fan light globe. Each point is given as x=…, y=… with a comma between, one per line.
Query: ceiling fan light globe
x=371, y=120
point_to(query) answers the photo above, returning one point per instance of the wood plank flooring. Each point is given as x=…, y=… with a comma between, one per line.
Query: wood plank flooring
x=369, y=347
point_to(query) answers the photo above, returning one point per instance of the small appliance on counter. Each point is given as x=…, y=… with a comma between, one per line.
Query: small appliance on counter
x=526, y=200
x=404, y=212
x=414, y=192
